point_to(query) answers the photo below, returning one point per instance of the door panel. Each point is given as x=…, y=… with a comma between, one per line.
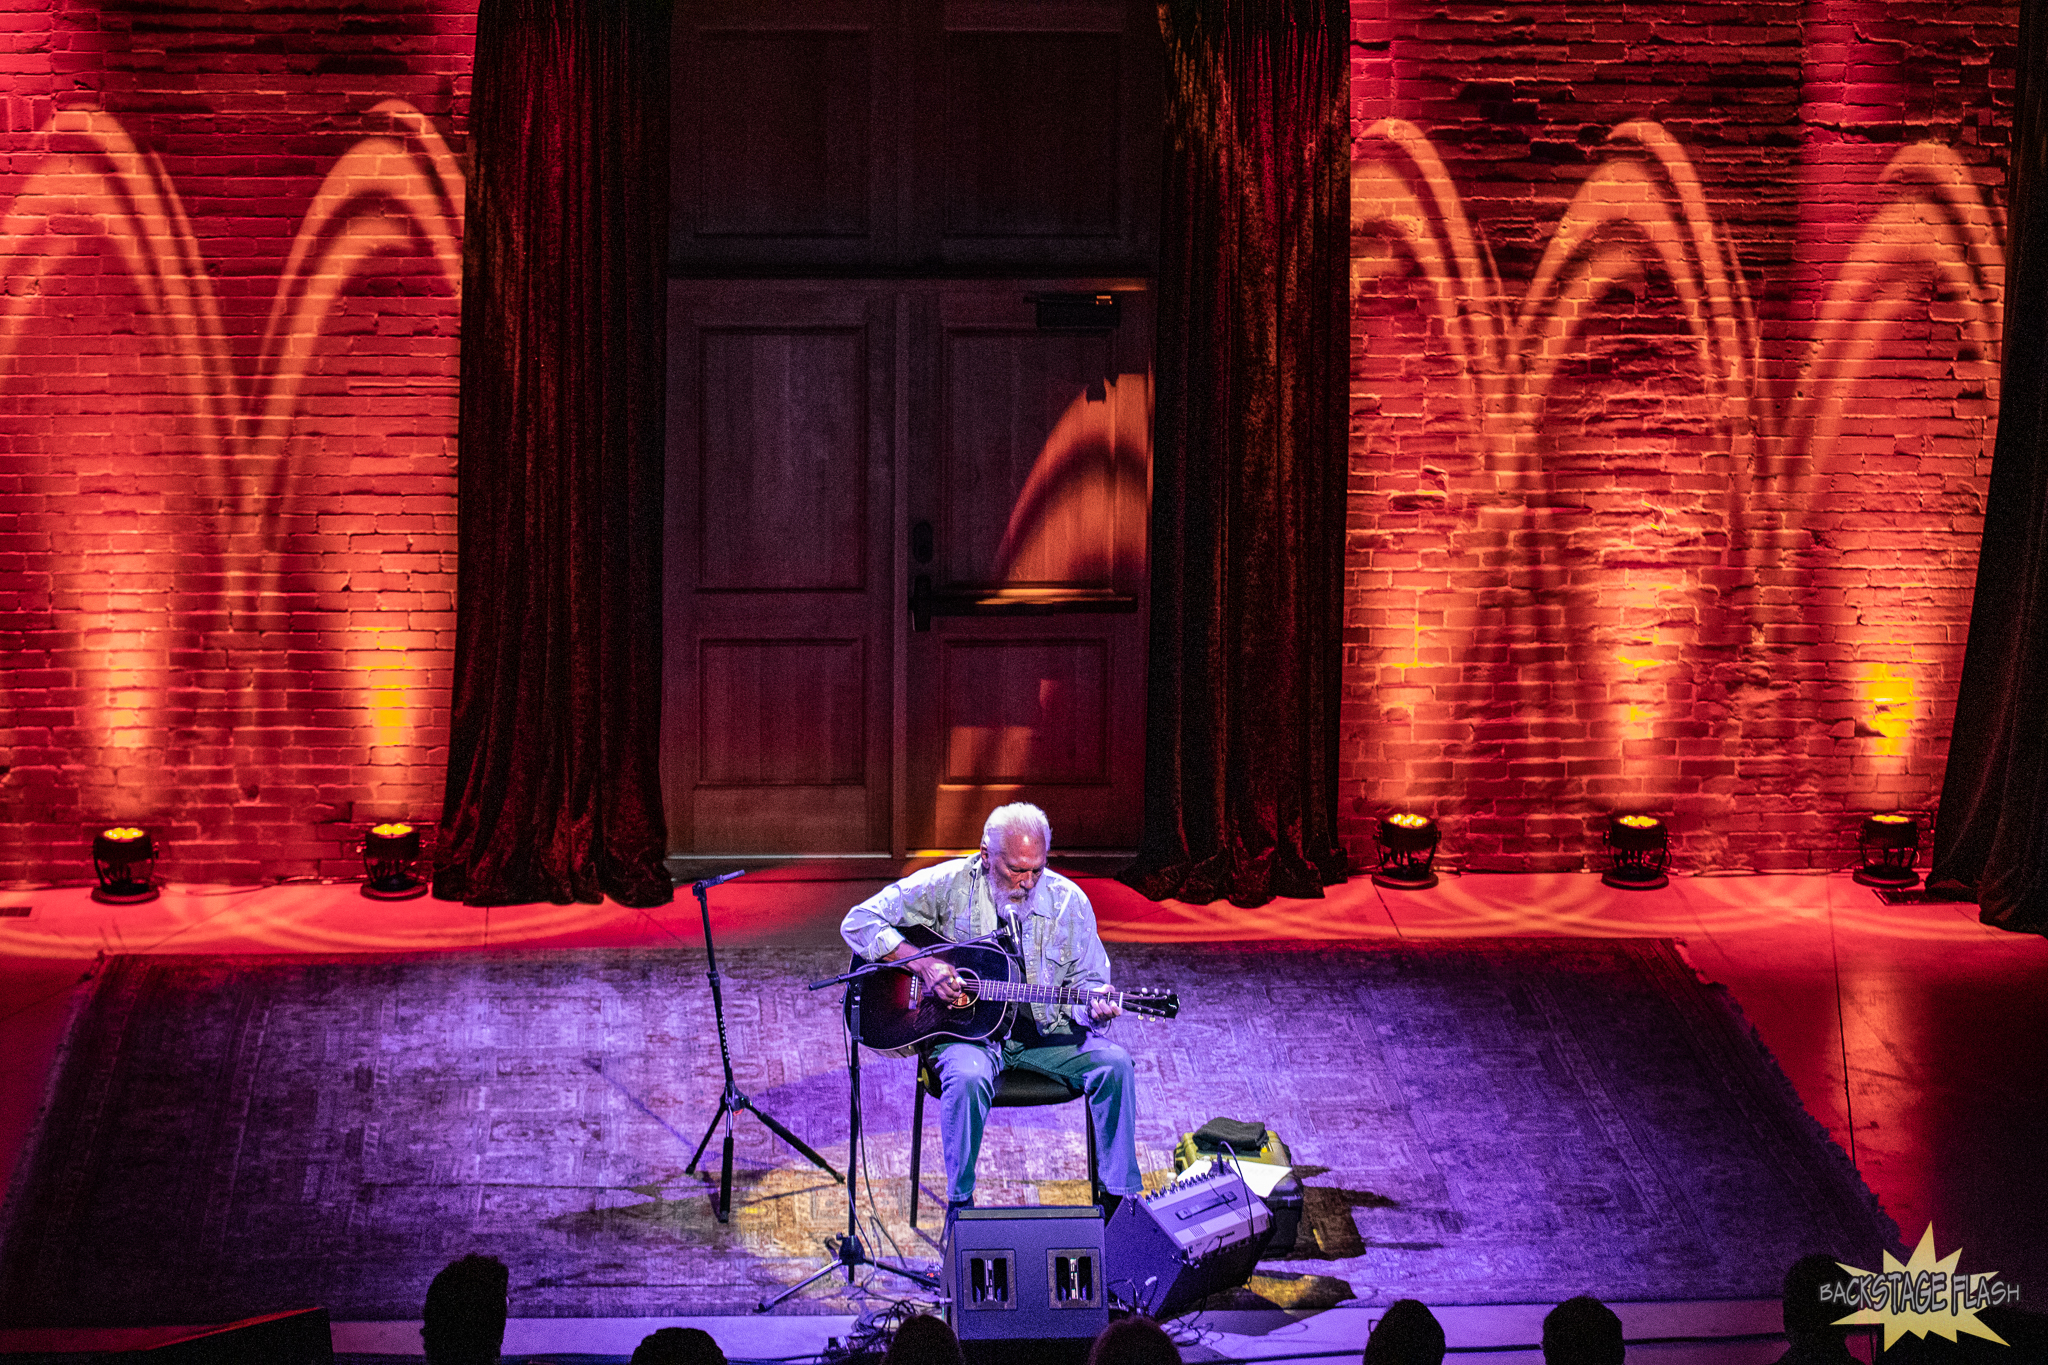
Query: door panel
x=1029, y=470
x=900, y=137
x=782, y=133
x=1034, y=480
x=781, y=713
x=1032, y=136
x=1035, y=141
x=804, y=712
x=782, y=459
x=1025, y=711
x=788, y=135
x=779, y=644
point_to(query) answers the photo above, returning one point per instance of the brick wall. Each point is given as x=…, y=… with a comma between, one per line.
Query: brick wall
x=229, y=272
x=1677, y=514
x=1673, y=370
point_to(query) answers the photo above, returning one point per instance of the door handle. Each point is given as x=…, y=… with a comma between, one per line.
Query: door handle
x=926, y=602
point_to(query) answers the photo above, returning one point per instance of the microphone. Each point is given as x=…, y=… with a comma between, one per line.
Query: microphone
x=710, y=882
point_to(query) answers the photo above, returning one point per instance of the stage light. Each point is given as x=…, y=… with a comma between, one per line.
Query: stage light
x=1407, y=852
x=1638, y=853
x=1889, y=844
x=123, y=859
x=391, y=858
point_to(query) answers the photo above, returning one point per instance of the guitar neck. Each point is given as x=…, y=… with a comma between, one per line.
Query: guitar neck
x=1026, y=993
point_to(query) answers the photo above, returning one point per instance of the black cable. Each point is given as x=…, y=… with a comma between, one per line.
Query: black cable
x=1842, y=1034
x=880, y=1231
x=862, y=1287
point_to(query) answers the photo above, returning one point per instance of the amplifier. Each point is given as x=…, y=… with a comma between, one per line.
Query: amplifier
x=1034, y=1273
x=1285, y=1199
x=1170, y=1250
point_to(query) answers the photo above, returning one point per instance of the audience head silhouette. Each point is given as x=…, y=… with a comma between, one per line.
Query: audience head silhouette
x=1407, y=1334
x=465, y=1312
x=923, y=1340
x=1134, y=1341
x=1809, y=1319
x=1582, y=1331
x=678, y=1346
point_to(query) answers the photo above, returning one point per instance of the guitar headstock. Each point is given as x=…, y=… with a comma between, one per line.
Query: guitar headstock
x=1150, y=1001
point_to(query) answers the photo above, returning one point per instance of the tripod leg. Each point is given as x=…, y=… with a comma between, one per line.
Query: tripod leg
x=793, y=1140
x=820, y=1273
x=916, y=1148
x=698, y=1156
x=725, y=1180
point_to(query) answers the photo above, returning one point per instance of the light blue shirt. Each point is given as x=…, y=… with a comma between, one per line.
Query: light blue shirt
x=952, y=899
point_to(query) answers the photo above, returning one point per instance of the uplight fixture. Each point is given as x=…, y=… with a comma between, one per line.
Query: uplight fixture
x=1638, y=853
x=391, y=861
x=1407, y=852
x=1889, y=844
x=124, y=861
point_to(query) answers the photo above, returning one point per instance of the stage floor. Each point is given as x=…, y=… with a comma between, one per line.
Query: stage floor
x=1914, y=1034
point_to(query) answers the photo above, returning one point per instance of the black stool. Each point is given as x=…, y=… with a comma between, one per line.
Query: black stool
x=1016, y=1088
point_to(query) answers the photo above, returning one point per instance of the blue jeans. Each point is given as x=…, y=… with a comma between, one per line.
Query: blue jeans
x=1099, y=1068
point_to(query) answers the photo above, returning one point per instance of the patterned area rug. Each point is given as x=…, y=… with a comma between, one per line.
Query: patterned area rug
x=1487, y=1121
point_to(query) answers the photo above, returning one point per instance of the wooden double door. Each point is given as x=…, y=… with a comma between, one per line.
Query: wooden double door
x=907, y=572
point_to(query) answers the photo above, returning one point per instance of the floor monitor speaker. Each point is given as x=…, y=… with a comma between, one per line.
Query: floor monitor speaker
x=1026, y=1274
x=1169, y=1250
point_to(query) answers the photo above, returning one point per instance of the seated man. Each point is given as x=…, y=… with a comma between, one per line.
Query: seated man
x=1048, y=924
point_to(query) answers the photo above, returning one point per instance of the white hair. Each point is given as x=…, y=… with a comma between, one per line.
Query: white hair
x=1019, y=817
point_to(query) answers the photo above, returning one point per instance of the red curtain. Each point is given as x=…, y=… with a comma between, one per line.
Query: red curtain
x=554, y=735
x=1249, y=455
x=1988, y=833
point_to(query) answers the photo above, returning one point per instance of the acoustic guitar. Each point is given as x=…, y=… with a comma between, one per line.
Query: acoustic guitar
x=897, y=1011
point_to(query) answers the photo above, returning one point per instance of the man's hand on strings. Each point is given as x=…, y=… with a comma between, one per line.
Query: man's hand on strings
x=936, y=973
x=939, y=978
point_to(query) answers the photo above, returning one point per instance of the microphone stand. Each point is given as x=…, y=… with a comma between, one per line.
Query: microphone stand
x=734, y=1099
x=847, y=1251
